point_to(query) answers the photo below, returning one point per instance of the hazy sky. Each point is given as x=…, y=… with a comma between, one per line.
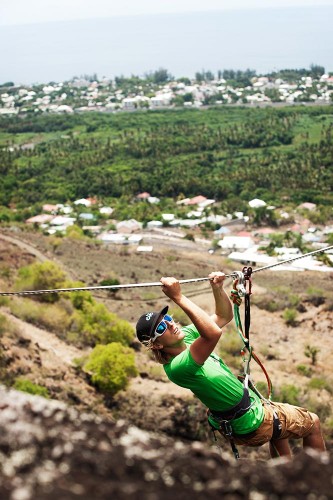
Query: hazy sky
x=36, y=11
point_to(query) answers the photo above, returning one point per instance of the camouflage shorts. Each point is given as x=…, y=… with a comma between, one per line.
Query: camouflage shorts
x=296, y=423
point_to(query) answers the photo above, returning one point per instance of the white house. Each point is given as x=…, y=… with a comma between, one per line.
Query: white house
x=154, y=223
x=106, y=210
x=134, y=238
x=168, y=217
x=61, y=220
x=236, y=243
x=161, y=100
x=112, y=238
x=153, y=200
x=83, y=201
x=256, y=203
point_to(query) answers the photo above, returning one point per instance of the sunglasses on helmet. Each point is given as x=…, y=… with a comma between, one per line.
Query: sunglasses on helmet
x=161, y=327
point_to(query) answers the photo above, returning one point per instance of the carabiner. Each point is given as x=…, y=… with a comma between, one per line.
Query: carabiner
x=240, y=283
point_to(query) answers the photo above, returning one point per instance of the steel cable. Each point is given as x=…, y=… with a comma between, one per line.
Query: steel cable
x=157, y=283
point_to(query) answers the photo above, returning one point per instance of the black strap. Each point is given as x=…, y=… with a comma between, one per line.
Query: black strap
x=247, y=319
x=247, y=271
x=236, y=411
x=277, y=427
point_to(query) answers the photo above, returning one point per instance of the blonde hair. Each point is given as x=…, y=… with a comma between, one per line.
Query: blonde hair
x=160, y=356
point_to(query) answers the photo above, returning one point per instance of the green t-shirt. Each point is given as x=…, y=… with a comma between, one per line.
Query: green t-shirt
x=214, y=384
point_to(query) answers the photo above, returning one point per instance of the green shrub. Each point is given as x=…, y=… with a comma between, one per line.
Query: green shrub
x=41, y=276
x=5, y=271
x=230, y=344
x=179, y=316
x=25, y=309
x=315, y=296
x=78, y=298
x=293, y=299
x=312, y=352
x=148, y=296
x=4, y=301
x=314, y=292
x=269, y=305
x=25, y=385
x=94, y=324
x=323, y=410
x=110, y=282
x=111, y=366
x=75, y=232
x=7, y=326
x=279, y=299
x=320, y=383
x=328, y=427
x=289, y=316
x=51, y=317
x=304, y=370
x=229, y=349
x=156, y=372
x=288, y=393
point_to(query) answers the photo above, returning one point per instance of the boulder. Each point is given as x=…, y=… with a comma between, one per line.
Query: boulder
x=51, y=451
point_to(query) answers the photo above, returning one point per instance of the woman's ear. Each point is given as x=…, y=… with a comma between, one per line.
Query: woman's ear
x=156, y=346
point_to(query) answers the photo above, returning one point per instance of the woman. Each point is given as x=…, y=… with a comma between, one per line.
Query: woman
x=188, y=357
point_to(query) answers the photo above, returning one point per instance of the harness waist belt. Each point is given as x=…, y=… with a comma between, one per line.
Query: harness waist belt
x=236, y=411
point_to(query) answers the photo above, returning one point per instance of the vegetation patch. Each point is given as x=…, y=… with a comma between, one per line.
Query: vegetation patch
x=110, y=367
x=25, y=385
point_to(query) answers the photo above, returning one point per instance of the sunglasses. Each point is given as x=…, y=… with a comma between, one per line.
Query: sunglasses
x=161, y=327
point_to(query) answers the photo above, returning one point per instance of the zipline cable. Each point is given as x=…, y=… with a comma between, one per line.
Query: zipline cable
x=156, y=283
x=269, y=266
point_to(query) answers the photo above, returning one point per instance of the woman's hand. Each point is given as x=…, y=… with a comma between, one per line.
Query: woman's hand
x=216, y=279
x=171, y=288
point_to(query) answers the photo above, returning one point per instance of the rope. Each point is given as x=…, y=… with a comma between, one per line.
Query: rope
x=157, y=283
x=236, y=299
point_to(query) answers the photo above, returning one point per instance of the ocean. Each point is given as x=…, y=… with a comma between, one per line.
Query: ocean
x=261, y=39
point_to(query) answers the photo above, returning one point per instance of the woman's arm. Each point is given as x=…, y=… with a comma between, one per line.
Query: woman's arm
x=208, y=329
x=223, y=307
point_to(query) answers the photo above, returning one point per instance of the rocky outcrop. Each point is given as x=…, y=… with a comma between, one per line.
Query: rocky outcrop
x=50, y=451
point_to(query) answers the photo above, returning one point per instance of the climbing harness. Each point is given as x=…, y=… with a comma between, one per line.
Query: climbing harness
x=158, y=283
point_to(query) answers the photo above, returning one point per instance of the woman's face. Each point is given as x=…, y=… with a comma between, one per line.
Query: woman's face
x=172, y=335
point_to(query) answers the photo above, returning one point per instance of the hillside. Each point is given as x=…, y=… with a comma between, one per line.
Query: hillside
x=47, y=360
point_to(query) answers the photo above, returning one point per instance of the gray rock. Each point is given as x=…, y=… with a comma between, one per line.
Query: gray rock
x=52, y=452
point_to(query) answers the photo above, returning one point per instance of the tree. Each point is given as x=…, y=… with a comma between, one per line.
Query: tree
x=44, y=276
x=111, y=366
x=316, y=71
x=161, y=75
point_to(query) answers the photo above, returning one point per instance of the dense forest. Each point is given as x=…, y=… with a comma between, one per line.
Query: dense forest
x=232, y=154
